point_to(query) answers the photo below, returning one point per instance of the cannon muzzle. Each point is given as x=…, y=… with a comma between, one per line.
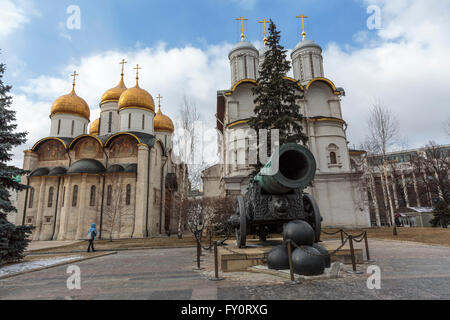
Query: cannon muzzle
x=294, y=167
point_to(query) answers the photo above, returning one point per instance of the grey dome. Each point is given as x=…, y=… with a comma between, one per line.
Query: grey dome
x=131, y=167
x=243, y=45
x=115, y=168
x=40, y=172
x=57, y=172
x=307, y=43
x=86, y=166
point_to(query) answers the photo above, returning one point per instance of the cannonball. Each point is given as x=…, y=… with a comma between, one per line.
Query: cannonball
x=300, y=232
x=278, y=258
x=326, y=256
x=307, y=261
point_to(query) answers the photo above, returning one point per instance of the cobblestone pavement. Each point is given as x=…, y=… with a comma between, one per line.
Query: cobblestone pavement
x=408, y=271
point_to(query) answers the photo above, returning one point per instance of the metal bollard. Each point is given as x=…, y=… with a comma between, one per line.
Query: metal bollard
x=352, y=252
x=367, y=246
x=291, y=269
x=198, y=254
x=216, y=261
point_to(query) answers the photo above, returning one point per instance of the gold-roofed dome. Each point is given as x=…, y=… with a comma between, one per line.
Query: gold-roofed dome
x=94, y=129
x=163, y=123
x=71, y=104
x=113, y=95
x=136, y=97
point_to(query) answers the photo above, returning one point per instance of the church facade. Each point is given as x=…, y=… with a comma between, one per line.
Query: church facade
x=338, y=186
x=119, y=175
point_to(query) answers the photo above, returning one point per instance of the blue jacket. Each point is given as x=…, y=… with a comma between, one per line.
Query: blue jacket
x=93, y=231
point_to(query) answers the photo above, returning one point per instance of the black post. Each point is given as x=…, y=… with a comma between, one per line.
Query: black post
x=342, y=236
x=352, y=252
x=216, y=261
x=198, y=254
x=290, y=260
x=367, y=246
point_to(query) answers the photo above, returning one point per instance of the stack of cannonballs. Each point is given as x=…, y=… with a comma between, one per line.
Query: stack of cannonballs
x=308, y=257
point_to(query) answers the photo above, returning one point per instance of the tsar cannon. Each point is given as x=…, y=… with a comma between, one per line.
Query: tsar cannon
x=276, y=196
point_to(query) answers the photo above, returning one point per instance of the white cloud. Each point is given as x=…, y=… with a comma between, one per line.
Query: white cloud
x=405, y=64
x=13, y=15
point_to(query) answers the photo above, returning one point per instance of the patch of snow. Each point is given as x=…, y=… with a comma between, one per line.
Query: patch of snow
x=31, y=265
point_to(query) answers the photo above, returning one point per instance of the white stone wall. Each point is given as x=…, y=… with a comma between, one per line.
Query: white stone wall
x=136, y=120
x=244, y=64
x=80, y=126
x=107, y=108
x=307, y=64
x=166, y=139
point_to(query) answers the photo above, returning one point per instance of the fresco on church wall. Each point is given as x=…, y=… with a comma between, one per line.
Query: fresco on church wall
x=52, y=150
x=88, y=148
x=124, y=147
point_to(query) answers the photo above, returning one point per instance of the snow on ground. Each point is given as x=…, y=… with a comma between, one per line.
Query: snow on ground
x=31, y=265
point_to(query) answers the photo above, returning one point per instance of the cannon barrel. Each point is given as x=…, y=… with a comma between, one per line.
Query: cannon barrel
x=296, y=169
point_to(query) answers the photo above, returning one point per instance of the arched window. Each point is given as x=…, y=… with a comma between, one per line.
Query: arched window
x=92, y=200
x=75, y=196
x=30, y=203
x=109, y=195
x=73, y=127
x=333, y=159
x=128, y=198
x=59, y=126
x=129, y=121
x=50, y=197
x=143, y=121
x=110, y=123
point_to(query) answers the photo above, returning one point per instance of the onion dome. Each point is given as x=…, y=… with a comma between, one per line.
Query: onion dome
x=136, y=98
x=71, y=104
x=113, y=95
x=163, y=123
x=94, y=129
x=242, y=45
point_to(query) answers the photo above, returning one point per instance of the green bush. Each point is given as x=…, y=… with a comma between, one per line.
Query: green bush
x=13, y=241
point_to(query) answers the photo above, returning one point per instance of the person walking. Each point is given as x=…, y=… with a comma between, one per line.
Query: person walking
x=92, y=233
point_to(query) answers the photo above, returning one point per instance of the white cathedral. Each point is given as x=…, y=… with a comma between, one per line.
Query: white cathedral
x=119, y=175
x=338, y=187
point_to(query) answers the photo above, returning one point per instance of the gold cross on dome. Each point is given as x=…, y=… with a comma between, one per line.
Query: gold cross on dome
x=159, y=100
x=74, y=75
x=242, y=19
x=265, y=30
x=123, y=62
x=302, y=16
x=137, y=73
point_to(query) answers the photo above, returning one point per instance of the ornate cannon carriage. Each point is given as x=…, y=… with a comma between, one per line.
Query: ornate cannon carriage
x=276, y=197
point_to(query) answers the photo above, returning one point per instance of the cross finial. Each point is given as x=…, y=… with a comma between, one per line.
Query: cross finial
x=74, y=75
x=302, y=16
x=137, y=73
x=123, y=62
x=242, y=19
x=159, y=101
x=265, y=30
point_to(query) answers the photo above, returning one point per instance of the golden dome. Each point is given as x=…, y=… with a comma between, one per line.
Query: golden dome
x=71, y=104
x=136, y=98
x=114, y=93
x=163, y=123
x=94, y=129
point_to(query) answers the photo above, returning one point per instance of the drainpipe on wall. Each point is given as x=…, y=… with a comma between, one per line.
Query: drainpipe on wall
x=56, y=207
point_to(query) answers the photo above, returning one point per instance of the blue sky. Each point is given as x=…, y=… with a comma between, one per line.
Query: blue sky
x=121, y=25
x=183, y=48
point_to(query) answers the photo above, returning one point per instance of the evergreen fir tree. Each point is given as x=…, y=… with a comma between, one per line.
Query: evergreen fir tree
x=13, y=240
x=275, y=103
